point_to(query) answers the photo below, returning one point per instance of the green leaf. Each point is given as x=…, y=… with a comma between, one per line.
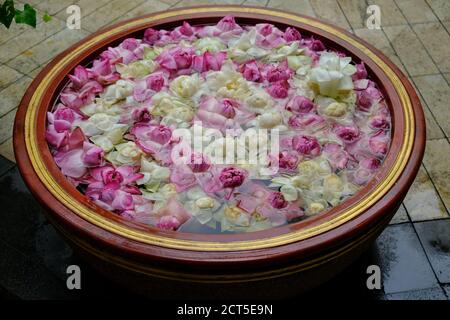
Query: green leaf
x=7, y=13
x=46, y=17
x=26, y=16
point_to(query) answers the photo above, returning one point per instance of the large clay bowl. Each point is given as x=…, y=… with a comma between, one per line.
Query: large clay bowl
x=275, y=262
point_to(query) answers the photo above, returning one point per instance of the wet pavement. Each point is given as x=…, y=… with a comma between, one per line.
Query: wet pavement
x=414, y=258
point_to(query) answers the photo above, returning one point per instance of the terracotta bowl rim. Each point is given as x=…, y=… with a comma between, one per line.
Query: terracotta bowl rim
x=361, y=210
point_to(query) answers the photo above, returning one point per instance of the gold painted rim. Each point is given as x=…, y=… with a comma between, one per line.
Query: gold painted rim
x=145, y=237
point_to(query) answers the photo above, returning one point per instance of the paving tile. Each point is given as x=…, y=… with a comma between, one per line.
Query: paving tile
x=36, y=71
x=426, y=294
x=436, y=162
x=434, y=131
x=447, y=291
x=6, y=125
x=410, y=50
x=8, y=75
x=436, y=93
x=185, y=3
x=170, y=2
x=50, y=6
x=6, y=150
x=53, y=45
x=107, y=13
x=295, y=6
x=422, y=200
x=401, y=216
x=27, y=39
x=447, y=76
x=145, y=8
x=86, y=8
x=24, y=62
x=435, y=238
x=256, y=3
x=390, y=13
x=330, y=11
x=5, y=165
x=378, y=39
x=402, y=261
x=437, y=41
x=441, y=8
x=13, y=31
x=416, y=11
x=355, y=11
x=11, y=95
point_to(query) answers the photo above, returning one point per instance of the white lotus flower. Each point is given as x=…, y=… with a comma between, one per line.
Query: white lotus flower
x=209, y=44
x=185, y=86
x=332, y=76
x=227, y=82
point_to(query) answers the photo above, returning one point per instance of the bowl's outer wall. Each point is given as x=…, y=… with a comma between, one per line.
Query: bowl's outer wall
x=116, y=247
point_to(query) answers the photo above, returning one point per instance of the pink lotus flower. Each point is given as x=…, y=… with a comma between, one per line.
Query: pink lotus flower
x=227, y=108
x=314, y=45
x=379, y=122
x=54, y=137
x=79, y=78
x=306, y=145
x=361, y=72
x=152, y=84
x=214, y=113
x=92, y=155
x=276, y=200
x=250, y=71
x=232, y=177
x=228, y=23
x=379, y=143
x=183, y=32
x=156, y=81
x=280, y=72
x=208, y=61
x=62, y=118
x=366, y=169
x=367, y=97
x=336, y=155
x=370, y=163
x=226, y=28
x=122, y=201
x=103, y=72
x=182, y=177
x=141, y=115
x=199, y=162
x=291, y=34
x=288, y=161
x=268, y=36
x=151, y=36
x=300, y=104
x=168, y=223
x=176, y=59
x=152, y=139
x=278, y=90
x=172, y=215
x=347, y=134
x=306, y=120
x=71, y=163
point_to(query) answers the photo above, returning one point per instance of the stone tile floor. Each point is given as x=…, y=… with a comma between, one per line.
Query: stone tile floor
x=413, y=253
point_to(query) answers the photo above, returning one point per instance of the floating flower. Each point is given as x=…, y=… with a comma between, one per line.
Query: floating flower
x=300, y=104
x=332, y=75
x=306, y=145
x=232, y=177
